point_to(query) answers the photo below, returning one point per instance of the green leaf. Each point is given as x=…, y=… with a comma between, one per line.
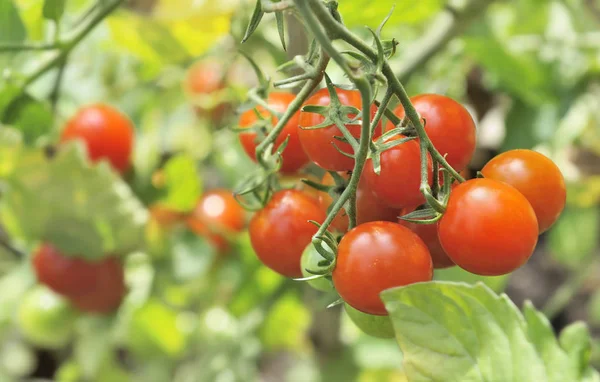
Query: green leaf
x=574, y=237
x=11, y=144
x=29, y=115
x=495, y=283
x=528, y=126
x=367, y=12
x=53, y=9
x=471, y=334
x=255, y=19
x=192, y=256
x=183, y=184
x=12, y=28
x=85, y=210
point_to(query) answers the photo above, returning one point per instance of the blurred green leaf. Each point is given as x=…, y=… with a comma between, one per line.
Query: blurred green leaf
x=192, y=256
x=11, y=143
x=527, y=126
x=471, y=334
x=12, y=28
x=30, y=116
x=85, y=210
x=496, y=283
x=575, y=236
x=92, y=345
x=286, y=324
x=182, y=182
x=358, y=13
x=53, y=9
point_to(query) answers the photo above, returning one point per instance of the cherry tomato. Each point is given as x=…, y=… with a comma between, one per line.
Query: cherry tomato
x=295, y=181
x=376, y=256
x=310, y=261
x=293, y=156
x=106, y=132
x=536, y=177
x=45, y=319
x=319, y=143
x=373, y=325
x=216, y=216
x=398, y=183
x=449, y=126
x=429, y=234
x=71, y=275
x=368, y=207
x=280, y=232
x=203, y=81
x=489, y=228
x=107, y=294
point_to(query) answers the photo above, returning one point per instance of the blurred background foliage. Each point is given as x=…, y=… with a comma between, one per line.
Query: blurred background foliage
x=529, y=71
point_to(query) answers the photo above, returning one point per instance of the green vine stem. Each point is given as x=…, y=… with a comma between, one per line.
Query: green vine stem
x=12, y=47
x=68, y=45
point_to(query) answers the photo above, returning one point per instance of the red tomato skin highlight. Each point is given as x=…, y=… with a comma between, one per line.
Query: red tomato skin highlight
x=280, y=232
x=376, y=256
x=489, y=228
x=536, y=177
x=105, y=131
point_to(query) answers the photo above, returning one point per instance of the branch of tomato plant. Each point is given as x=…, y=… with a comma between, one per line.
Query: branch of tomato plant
x=294, y=106
x=67, y=46
x=446, y=26
x=360, y=156
x=55, y=93
x=334, y=28
x=12, y=47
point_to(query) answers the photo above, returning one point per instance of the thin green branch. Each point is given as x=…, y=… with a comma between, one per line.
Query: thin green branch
x=11, y=47
x=55, y=93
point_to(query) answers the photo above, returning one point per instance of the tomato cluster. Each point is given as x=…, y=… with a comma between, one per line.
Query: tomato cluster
x=488, y=226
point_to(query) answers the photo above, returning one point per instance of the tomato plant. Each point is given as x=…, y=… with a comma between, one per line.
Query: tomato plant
x=106, y=133
x=449, y=126
x=319, y=143
x=293, y=155
x=368, y=207
x=489, y=228
x=536, y=177
x=376, y=256
x=217, y=216
x=310, y=262
x=281, y=231
x=398, y=183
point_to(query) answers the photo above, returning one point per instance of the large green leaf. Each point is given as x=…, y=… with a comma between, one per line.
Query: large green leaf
x=455, y=332
x=11, y=25
x=372, y=13
x=85, y=210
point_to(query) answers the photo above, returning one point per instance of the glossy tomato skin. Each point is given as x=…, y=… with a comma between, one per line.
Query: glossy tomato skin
x=368, y=207
x=280, y=232
x=376, y=256
x=449, y=126
x=294, y=157
x=106, y=132
x=216, y=215
x=429, y=234
x=489, y=228
x=398, y=183
x=319, y=143
x=536, y=177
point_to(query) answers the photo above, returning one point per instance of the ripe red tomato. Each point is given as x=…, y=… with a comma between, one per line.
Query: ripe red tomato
x=449, y=126
x=293, y=156
x=429, y=234
x=280, y=232
x=318, y=144
x=107, y=294
x=376, y=256
x=368, y=207
x=204, y=79
x=78, y=278
x=398, y=183
x=217, y=215
x=106, y=132
x=489, y=228
x=536, y=177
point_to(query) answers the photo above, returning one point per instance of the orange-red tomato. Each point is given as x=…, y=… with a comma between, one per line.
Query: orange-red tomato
x=398, y=183
x=293, y=156
x=319, y=143
x=280, y=232
x=429, y=234
x=489, y=228
x=536, y=177
x=368, y=207
x=90, y=283
x=217, y=215
x=376, y=256
x=205, y=79
x=106, y=132
x=165, y=216
x=449, y=126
